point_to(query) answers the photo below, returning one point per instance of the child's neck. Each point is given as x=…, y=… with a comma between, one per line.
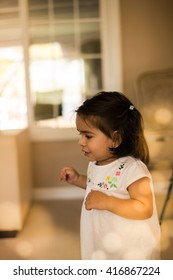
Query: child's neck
x=106, y=161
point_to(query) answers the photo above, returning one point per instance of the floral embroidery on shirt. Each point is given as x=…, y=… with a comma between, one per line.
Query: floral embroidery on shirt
x=118, y=172
x=101, y=184
x=89, y=176
x=89, y=180
x=108, y=183
x=121, y=166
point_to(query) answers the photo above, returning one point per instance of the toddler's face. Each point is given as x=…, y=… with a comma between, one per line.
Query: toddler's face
x=94, y=143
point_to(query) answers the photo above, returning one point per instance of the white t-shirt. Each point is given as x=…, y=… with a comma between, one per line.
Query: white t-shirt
x=105, y=235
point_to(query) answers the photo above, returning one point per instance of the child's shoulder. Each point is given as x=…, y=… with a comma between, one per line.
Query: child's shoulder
x=127, y=162
x=130, y=162
x=133, y=170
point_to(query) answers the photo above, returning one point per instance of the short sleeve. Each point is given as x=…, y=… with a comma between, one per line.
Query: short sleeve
x=135, y=171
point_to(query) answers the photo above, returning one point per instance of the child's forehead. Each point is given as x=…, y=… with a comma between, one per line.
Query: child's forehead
x=84, y=123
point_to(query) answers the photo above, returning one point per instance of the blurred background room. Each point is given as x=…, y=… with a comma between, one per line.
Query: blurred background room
x=53, y=55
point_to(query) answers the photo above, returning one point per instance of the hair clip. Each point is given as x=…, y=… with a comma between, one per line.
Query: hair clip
x=131, y=107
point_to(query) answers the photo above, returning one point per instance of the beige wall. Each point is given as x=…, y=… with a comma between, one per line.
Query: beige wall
x=49, y=157
x=147, y=38
x=147, y=44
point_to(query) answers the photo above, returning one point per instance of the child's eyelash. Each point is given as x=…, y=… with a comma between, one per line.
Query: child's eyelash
x=85, y=135
x=88, y=136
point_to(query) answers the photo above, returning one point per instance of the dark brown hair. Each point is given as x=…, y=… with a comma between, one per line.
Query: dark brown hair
x=113, y=111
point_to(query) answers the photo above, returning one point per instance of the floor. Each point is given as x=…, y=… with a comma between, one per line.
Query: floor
x=51, y=232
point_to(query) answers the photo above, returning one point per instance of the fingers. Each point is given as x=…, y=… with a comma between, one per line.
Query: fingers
x=96, y=200
x=69, y=175
x=64, y=174
x=87, y=205
x=88, y=202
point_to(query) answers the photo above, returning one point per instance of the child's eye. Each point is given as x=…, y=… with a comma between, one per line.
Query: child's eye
x=88, y=136
x=85, y=135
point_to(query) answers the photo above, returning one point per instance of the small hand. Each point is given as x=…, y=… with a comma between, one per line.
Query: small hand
x=69, y=175
x=96, y=200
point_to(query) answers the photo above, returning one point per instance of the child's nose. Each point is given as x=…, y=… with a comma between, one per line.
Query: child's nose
x=82, y=141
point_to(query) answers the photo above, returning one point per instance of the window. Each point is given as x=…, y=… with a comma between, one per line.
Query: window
x=64, y=55
x=13, y=109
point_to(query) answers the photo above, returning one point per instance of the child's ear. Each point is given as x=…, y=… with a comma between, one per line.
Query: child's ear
x=116, y=139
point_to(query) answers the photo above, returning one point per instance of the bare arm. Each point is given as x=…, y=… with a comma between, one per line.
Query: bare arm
x=71, y=176
x=138, y=207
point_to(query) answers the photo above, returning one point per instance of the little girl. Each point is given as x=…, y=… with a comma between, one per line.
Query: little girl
x=119, y=218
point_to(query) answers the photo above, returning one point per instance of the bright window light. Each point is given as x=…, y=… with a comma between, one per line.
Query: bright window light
x=13, y=109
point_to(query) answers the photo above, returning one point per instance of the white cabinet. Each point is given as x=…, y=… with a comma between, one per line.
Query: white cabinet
x=15, y=179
